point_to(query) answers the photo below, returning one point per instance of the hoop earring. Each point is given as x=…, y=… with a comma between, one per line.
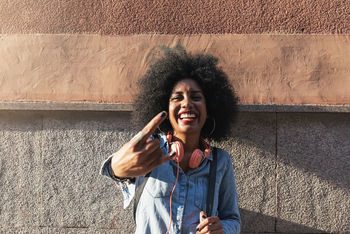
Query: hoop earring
x=160, y=130
x=212, y=131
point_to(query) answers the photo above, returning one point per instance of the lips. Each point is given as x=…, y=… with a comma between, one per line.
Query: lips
x=187, y=116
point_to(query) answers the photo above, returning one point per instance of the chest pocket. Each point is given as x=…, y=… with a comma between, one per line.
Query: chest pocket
x=160, y=184
x=200, y=197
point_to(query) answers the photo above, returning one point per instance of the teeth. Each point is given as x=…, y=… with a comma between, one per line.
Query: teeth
x=187, y=115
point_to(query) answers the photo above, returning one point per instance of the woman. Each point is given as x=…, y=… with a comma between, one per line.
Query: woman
x=190, y=102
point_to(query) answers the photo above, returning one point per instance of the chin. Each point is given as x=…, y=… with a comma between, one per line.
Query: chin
x=189, y=129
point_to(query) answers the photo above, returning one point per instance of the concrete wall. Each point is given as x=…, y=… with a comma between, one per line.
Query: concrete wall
x=292, y=172
x=275, y=52
x=288, y=61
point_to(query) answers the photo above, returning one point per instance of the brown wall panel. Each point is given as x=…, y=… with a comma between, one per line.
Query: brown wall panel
x=175, y=17
x=264, y=69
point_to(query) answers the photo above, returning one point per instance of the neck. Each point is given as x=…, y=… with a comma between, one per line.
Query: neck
x=189, y=141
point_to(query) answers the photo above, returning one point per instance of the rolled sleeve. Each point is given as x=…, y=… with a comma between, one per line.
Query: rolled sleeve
x=127, y=187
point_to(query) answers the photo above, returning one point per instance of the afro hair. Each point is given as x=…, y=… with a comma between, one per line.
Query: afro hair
x=156, y=86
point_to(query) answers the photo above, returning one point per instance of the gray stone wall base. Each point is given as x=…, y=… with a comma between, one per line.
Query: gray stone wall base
x=292, y=171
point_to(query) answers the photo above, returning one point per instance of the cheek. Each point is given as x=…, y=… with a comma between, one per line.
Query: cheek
x=172, y=113
x=171, y=110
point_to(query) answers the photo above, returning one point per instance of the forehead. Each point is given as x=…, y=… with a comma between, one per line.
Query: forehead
x=186, y=85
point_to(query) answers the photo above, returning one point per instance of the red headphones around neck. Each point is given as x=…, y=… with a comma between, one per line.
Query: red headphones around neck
x=197, y=155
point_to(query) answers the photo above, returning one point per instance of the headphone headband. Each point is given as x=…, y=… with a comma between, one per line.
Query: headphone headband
x=203, y=142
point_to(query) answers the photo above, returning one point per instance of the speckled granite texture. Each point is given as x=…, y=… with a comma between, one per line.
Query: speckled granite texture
x=292, y=172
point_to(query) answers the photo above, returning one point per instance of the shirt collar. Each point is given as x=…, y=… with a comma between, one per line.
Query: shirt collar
x=164, y=145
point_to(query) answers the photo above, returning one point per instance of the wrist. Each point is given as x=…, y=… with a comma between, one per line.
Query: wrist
x=117, y=178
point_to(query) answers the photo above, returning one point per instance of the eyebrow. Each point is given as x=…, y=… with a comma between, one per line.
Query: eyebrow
x=192, y=91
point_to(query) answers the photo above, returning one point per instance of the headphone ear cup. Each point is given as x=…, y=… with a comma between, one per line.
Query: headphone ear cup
x=196, y=158
x=177, y=147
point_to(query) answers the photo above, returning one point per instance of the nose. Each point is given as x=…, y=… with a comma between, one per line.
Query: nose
x=187, y=102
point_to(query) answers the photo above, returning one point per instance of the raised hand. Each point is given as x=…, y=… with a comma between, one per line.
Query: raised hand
x=141, y=154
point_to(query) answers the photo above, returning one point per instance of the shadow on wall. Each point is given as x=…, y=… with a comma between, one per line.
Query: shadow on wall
x=249, y=217
x=294, y=167
x=316, y=143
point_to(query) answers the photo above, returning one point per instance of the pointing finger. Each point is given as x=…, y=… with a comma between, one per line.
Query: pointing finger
x=141, y=137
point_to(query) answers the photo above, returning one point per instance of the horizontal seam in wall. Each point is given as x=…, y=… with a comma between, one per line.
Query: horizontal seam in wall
x=127, y=107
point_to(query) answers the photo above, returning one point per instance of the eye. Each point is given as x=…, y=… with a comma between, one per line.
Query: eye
x=196, y=98
x=176, y=98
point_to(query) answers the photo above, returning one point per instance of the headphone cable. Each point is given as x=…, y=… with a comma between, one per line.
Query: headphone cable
x=171, y=195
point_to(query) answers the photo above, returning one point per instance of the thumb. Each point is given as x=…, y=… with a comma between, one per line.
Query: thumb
x=202, y=216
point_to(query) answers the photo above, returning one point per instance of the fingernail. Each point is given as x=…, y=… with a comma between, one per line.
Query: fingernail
x=163, y=114
x=172, y=154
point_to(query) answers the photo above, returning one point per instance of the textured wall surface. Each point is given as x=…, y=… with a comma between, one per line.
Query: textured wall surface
x=175, y=17
x=264, y=69
x=275, y=52
x=292, y=169
x=292, y=172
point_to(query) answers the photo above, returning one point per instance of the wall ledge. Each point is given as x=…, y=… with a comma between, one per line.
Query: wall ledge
x=127, y=107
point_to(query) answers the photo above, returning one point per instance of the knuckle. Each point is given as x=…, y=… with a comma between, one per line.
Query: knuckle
x=135, y=148
x=156, y=142
x=147, y=129
x=152, y=146
x=132, y=149
x=138, y=159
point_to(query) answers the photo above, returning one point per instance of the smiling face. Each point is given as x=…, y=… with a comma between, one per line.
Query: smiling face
x=187, y=108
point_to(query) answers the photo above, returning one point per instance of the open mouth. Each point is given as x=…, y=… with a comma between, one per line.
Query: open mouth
x=187, y=116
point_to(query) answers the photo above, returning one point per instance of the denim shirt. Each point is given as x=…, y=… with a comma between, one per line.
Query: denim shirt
x=189, y=197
